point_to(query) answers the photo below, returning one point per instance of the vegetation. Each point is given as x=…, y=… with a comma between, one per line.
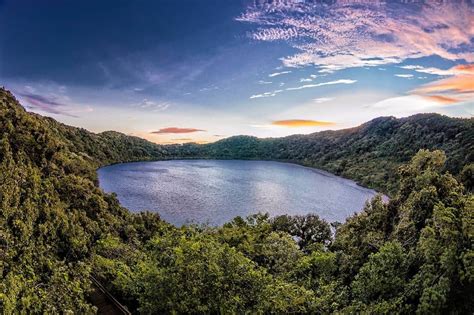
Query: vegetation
x=413, y=254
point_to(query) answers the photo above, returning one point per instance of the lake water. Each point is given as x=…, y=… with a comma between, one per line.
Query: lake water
x=215, y=191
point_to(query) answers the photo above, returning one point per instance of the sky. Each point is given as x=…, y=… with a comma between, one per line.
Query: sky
x=176, y=71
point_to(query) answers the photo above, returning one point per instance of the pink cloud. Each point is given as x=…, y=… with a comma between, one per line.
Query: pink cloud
x=171, y=130
x=363, y=34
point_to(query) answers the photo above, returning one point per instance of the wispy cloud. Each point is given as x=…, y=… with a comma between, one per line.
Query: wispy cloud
x=298, y=123
x=349, y=33
x=322, y=100
x=266, y=94
x=442, y=99
x=209, y=88
x=407, y=76
x=306, y=86
x=264, y=82
x=53, y=103
x=152, y=105
x=405, y=105
x=275, y=74
x=430, y=70
x=176, y=130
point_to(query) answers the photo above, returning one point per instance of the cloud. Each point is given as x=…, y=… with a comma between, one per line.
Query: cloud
x=457, y=88
x=406, y=105
x=53, y=104
x=264, y=82
x=462, y=82
x=174, y=130
x=152, y=105
x=408, y=76
x=314, y=76
x=266, y=94
x=306, y=80
x=322, y=99
x=429, y=70
x=41, y=100
x=296, y=123
x=306, y=86
x=354, y=33
x=210, y=88
x=442, y=99
x=271, y=75
x=182, y=139
x=342, y=81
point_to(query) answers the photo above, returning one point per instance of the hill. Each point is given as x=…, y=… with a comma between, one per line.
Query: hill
x=369, y=154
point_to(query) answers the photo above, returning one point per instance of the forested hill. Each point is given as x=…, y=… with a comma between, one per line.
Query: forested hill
x=99, y=149
x=369, y=154
x=412, y=254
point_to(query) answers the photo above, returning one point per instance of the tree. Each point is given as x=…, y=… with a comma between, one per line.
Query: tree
x=308, y=229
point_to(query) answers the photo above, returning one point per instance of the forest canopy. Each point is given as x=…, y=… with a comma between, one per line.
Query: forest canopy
x=412, y=254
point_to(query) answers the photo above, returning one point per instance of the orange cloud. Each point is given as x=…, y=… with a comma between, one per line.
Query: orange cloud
x=442, y=99
x=176, y=130
x=466, y=69
x=459, y=83
x=295, y=123
x=455, y=89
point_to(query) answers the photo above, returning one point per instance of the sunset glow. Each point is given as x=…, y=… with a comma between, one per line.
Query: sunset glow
x=294, y=123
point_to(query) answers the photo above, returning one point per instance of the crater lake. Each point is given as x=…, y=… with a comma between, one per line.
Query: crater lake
x=215, y=191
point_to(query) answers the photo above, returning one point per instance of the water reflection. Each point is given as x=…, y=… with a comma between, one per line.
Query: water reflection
x=214, y=192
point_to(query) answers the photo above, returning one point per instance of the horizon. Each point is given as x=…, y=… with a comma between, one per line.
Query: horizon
x=256, y=68
x=261, y=138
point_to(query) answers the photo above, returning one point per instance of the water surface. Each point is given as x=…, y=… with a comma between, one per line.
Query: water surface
x=215, y=191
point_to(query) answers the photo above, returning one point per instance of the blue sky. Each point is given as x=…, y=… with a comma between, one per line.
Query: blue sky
x=178, y=71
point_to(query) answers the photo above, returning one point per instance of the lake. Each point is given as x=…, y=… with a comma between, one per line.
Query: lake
x=215, y=191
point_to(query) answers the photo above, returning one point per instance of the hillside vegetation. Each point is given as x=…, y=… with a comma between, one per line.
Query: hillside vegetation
x=57, y=227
